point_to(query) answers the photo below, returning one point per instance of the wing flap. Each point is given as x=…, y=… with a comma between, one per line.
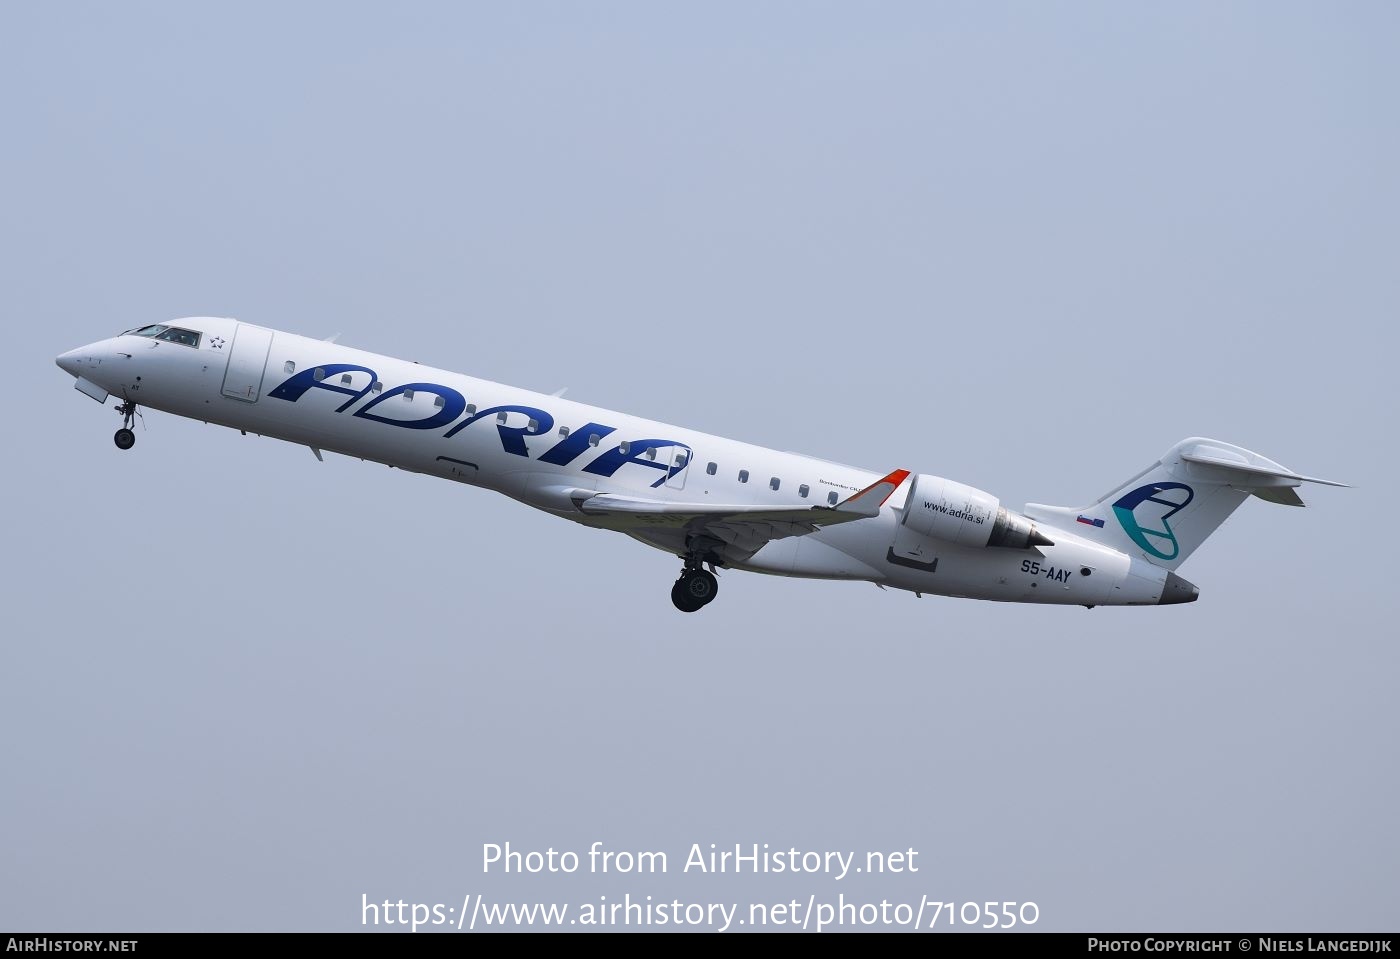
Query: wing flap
x=749, y=525
x=614, y=504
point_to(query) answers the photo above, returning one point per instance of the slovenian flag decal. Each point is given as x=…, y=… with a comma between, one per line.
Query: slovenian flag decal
x=1091, y=522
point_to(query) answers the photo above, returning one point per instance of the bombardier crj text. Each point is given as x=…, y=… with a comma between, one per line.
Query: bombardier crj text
x=713, y=502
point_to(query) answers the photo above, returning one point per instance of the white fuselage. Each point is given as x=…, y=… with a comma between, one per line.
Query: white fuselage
x=540, y=449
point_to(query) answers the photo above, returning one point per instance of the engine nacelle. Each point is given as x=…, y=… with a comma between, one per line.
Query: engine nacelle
x=955, y=513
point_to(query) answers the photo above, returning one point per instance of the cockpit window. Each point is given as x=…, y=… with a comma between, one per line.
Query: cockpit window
x=176, y=335
x=171, y=334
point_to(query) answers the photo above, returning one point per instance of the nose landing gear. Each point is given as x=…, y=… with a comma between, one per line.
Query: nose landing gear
x=125, y=438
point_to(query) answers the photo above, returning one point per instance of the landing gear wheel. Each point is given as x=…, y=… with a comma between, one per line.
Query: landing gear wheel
x=695, y=588
x=682, y=600
x=701, y=585
x=124, y=438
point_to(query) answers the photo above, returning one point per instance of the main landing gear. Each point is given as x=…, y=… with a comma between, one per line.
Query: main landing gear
x=697, y=586
x=124, y=438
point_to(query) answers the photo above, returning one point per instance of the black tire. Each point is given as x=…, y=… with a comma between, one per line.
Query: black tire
x=124, y=438
x=700, y=586
x=682, y=599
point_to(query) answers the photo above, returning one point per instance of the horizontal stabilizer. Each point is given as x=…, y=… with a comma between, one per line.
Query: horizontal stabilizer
x=1209, y=457
x=1282, y=495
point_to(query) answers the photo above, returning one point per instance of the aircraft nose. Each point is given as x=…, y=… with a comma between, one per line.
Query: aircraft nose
x=71, y=362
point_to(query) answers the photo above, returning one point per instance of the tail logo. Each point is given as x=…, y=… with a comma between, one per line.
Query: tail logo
x=1168, y=499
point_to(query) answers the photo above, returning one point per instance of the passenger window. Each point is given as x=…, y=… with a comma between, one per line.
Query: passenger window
x=563, y=431
x=593, y=439
x=710, y=468
x=803, y=490
x=624, y=447
x=408, y=395
x=743, y=476
x=438, y=401
x=345, y=379
x=681, y=460
x=289, y=367
x=471, y=409
x=501, y=418
x=319, y=375
x=376, y=387
x=533, y=426
x=774, y=483
x=651, y=452
x=831, y=497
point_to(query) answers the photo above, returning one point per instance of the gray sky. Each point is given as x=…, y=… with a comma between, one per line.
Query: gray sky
x=1025, y=246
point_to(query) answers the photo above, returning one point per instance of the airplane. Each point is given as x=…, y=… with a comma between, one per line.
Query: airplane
x=714, y=503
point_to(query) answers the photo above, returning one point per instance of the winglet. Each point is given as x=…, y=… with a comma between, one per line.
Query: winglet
x=869, y=500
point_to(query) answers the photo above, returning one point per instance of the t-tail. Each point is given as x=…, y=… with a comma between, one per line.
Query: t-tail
x=1169, y=509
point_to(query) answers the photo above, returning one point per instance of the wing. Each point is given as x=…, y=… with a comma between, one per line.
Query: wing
x=744, y=528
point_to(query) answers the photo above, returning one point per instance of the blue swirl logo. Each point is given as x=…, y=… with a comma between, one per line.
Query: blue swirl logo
x=1152, y=532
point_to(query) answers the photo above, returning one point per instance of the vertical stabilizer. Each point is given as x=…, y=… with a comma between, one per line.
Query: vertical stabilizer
x=1169, y=509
